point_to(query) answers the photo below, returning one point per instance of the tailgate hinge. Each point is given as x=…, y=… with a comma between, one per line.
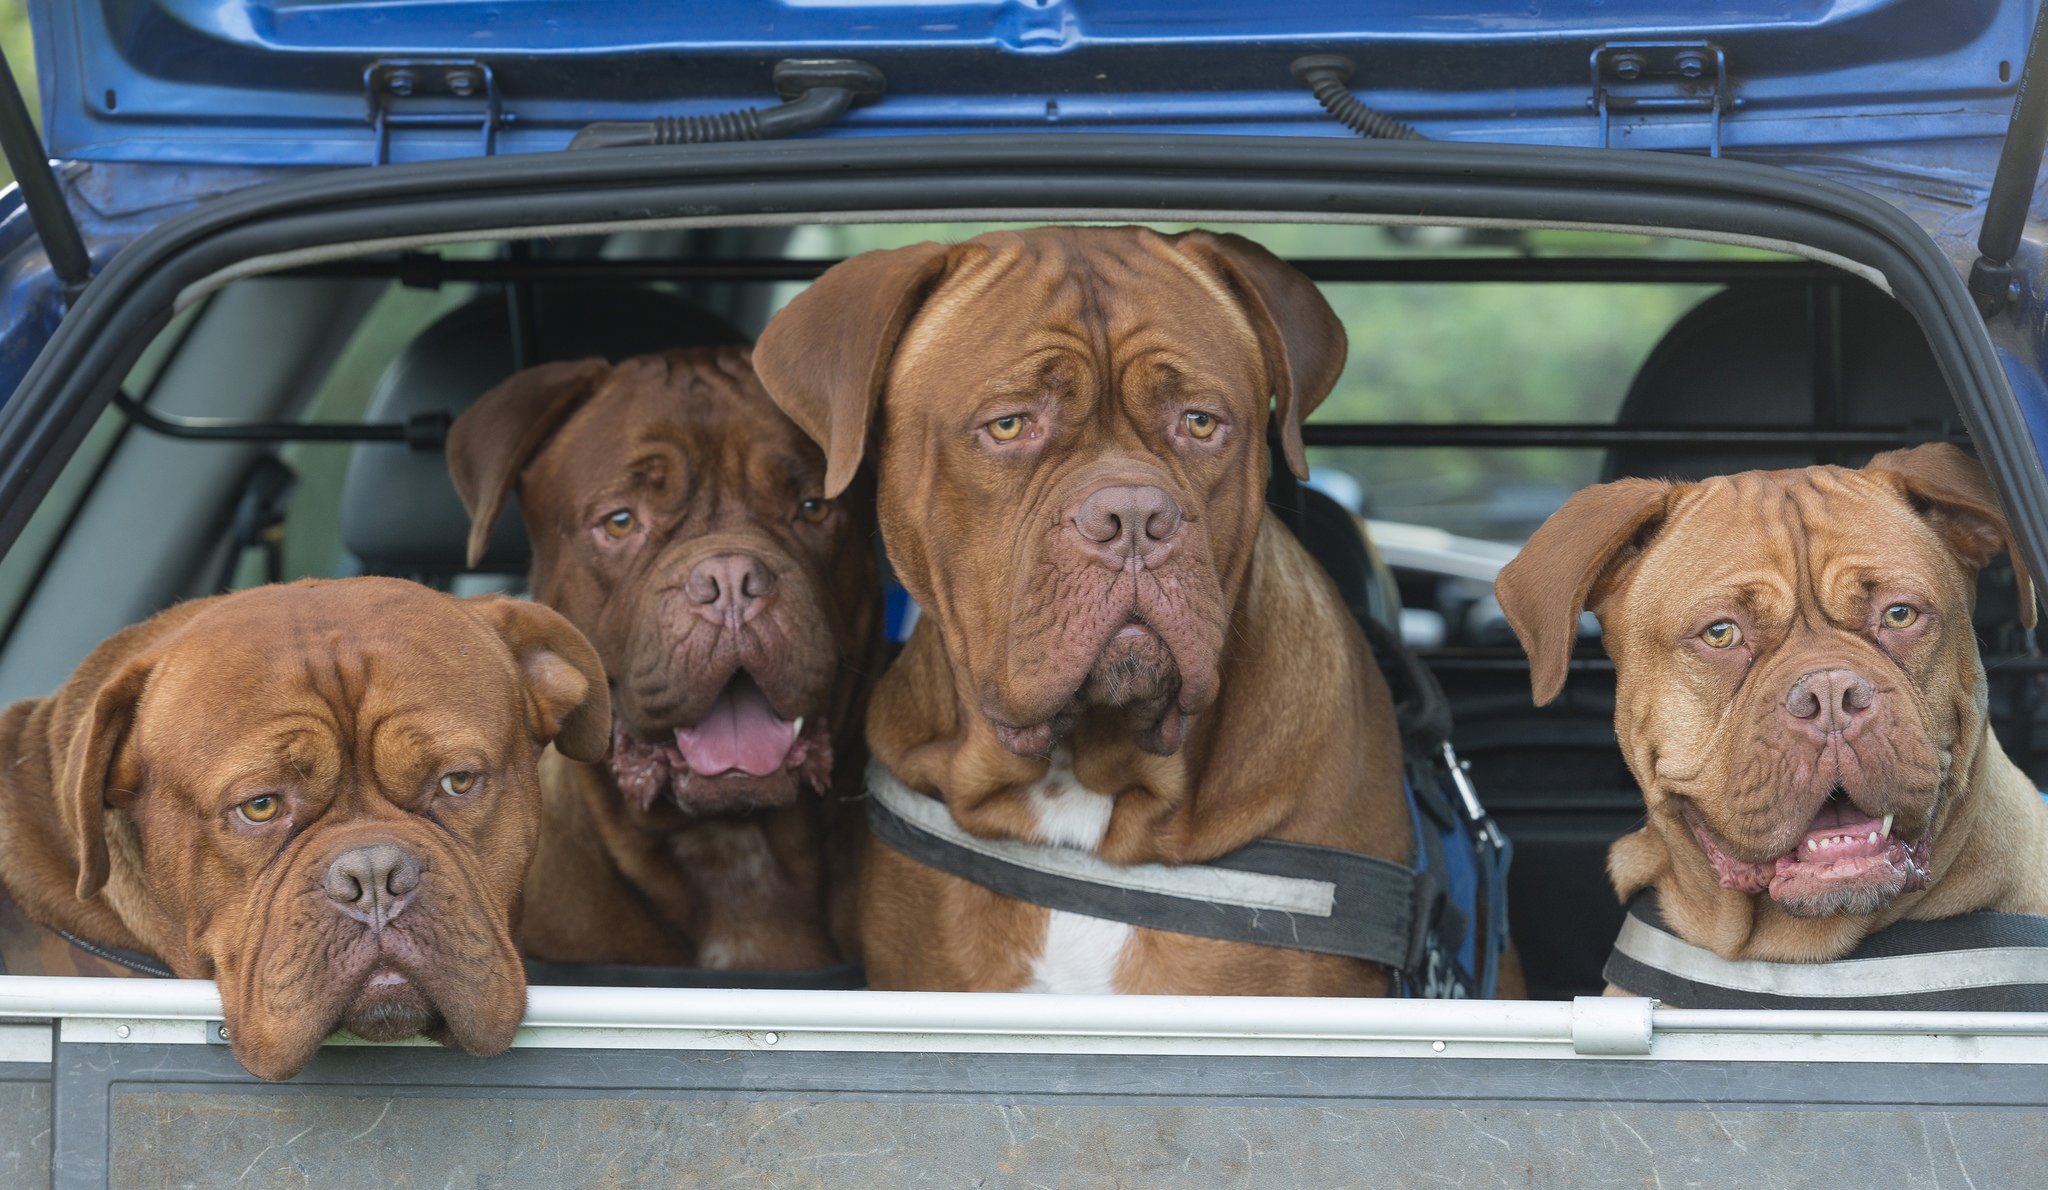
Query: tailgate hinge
x=1653, y=76
x=432, y=93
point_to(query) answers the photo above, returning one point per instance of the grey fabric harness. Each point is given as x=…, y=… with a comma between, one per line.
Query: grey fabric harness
x=1977, y=962
x=1269, y=892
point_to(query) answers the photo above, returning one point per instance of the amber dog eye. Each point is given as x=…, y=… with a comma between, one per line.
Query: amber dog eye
x=1006, y=429
x=262, y=809
x=457, y=783
x=1900, y=615
x=1721, y=634
x=620, y=523
x=815, y=510
x=1201, y=425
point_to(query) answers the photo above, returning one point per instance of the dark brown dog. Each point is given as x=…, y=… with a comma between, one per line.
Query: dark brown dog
x=681, y=522
x=1118, y=652
x=1798, y=691
x=322, y=796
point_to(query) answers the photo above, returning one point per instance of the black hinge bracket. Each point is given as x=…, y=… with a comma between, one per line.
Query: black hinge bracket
x=1994, y=282
x=40, y=194
x=432, y=93
x=1661, y=76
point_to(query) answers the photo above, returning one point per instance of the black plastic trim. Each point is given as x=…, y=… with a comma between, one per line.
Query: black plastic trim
x=1045, y=175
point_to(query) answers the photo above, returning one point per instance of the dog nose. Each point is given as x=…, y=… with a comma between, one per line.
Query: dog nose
x=1126, y=521
x=369, y=883
x=1831, y=700
x=728, y=588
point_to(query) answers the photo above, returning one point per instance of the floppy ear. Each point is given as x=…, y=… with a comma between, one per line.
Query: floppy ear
x=100, y=760
x=1550, y=582
x=825, y=356
x=567, y=700
x=1301, y=337
x=1951, y=491
x=494, y=439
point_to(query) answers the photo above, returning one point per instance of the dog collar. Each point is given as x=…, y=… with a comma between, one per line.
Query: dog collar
x=29, y=948
x=1269, y=892
x=1977, y=962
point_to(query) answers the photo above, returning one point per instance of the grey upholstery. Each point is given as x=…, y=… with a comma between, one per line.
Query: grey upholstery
x=399, y=512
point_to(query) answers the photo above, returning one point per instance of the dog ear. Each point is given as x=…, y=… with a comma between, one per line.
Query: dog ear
x=1301, y=337
x=825, y=357
x=1546, y=586
x=494, y=439
x=100, y=759
x=568, y=701
x=1951, y=491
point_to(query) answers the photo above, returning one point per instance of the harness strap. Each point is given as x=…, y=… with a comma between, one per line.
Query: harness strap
x=1978, y=962
x=1269, y=892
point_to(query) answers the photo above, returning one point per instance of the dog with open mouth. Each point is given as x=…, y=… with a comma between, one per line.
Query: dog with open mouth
x=322, y=796
x=680, y=521
x=1799, y=695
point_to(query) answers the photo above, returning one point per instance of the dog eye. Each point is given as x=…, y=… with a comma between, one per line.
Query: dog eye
x=815, y=510
x=457, y=783
x=1721, y=634
x=1900, y=615
x=620, y=523
x=1006, y=429
x=1200, y=425
x=261, y=809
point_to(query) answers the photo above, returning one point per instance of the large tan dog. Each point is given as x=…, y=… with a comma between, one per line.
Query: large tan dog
x=681, y=522
x=1119, y=652
x=1798, y=693
x=322, y=796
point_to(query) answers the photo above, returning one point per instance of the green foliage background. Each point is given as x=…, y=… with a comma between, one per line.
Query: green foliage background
x=21, y=58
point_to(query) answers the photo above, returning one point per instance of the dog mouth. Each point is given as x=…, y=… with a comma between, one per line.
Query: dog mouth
x=1846, y=861
x=389, y=1006
x=740, y=751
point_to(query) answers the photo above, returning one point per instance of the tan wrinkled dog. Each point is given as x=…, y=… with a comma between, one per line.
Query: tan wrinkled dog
x=1799, y=694
x=322, y=796
x=1119, y=652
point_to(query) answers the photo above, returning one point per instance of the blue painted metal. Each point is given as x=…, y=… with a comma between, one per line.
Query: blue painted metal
x=280, y=81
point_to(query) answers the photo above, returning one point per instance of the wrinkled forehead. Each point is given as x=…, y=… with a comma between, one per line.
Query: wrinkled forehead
x=1013, y=303
x=300, y=649
x=657, y=413
x=1783, y=535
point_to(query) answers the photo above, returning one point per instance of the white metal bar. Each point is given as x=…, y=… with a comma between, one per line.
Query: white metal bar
x=1848, y=1022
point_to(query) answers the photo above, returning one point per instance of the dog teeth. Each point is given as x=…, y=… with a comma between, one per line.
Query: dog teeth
x=1888, y=824
x=1873, y=836
x=799, y=728
x=1812, y=846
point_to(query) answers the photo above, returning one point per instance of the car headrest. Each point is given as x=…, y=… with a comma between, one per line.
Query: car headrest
x=1747, y=356
x=399, y=511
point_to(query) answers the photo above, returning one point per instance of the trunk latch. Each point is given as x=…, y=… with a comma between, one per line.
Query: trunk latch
x=432, y=93
x=1660, y=76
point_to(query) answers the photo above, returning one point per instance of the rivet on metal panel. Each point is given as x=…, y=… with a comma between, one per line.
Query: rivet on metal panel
x=221, y=1032
x=771, y=1038
x=1611, y=1024
x=1438, y=1046
x=121, y=1030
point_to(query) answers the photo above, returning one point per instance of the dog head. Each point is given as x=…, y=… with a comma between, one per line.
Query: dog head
x=1797, y=679
x=324, y=796
x=683, y=524
x=1072, y=450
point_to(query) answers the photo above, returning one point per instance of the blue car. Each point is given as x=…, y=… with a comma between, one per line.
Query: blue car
x=261, y=253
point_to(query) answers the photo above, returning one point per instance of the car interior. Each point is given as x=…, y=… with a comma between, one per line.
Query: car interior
x=1474, y=403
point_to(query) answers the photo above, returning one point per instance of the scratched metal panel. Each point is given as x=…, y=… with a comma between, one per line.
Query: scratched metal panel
x=205, y=1137
x=157, y=1114
x=25, y=1131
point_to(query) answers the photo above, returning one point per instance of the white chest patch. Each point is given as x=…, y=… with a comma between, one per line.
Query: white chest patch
x=1080, y=954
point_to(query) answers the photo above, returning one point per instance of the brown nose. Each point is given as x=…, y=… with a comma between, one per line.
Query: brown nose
x=1127, y=521
x=370, y=883
x=1828, y=701
x=728, y=588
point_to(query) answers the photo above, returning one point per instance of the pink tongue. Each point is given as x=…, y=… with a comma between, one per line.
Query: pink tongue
x=740, y=731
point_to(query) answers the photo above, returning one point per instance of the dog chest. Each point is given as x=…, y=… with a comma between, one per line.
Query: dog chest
x=1079, y=954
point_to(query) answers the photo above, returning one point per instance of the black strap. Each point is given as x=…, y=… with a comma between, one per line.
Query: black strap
x=1978, y=962
x=134, y=960
x=1371, y=917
